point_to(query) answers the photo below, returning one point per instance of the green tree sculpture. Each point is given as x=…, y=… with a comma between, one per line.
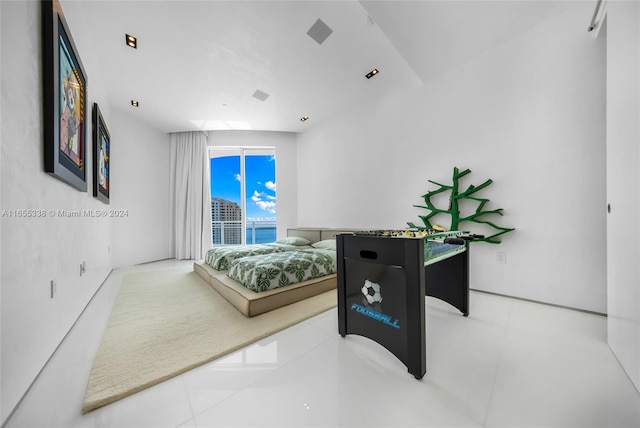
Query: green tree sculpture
x=455, y=198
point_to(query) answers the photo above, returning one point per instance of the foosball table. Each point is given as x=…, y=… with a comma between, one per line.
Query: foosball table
x=384, y=277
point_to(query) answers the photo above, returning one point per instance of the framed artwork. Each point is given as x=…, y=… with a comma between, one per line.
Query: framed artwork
x=101, y=155
x=65, y=98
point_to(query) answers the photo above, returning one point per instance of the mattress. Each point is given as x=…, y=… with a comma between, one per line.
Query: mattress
x=220, y=258
x=271, y=271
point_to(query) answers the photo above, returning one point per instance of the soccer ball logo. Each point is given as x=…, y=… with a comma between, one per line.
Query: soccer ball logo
x=371, y=292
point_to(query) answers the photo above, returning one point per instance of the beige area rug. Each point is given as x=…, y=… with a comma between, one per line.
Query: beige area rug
x=166, y=322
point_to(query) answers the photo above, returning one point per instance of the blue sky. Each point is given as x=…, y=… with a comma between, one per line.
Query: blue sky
x=260, y=173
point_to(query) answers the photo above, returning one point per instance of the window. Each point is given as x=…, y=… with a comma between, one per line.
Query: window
x=243, y=195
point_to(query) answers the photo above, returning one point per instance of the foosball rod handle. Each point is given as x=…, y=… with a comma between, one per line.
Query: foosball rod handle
x=471, y=237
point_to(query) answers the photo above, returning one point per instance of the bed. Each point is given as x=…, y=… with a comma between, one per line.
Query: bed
x=220, y=258
x=290, y=286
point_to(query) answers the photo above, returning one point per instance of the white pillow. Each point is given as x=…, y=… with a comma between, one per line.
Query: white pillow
x=294, y=240
x=327, y=244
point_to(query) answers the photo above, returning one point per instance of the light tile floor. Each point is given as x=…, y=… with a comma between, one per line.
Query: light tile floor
x=511, y=363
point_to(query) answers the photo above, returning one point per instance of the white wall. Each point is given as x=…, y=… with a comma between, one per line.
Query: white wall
x=140, y=179
x=530, y=115
x=623, y=183
x=35, y=251
x=286, y=167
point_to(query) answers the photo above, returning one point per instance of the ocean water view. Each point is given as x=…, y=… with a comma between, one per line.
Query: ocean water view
x=263, y=235
x=229, y=233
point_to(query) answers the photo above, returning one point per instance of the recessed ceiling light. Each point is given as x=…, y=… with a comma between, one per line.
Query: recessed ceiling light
x=372, y=73
x=131, y=41
x=304, y=118
x=135, y=103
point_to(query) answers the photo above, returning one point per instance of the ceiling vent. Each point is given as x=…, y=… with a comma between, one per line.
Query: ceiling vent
x=259, y=95
x=319, y=31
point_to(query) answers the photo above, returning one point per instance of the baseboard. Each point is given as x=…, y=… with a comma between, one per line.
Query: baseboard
x=540, y=302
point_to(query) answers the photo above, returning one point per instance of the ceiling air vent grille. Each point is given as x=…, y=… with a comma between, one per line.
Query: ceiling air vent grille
x=319, y=31
x=259, y=95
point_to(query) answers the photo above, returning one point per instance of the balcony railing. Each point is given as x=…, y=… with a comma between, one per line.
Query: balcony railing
x=230, y=232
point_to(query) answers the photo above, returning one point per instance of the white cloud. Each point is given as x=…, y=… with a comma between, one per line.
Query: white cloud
x=237, y=177
x=267, y=206
x=270, y=185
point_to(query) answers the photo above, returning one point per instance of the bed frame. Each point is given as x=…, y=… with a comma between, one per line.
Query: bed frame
x=251, y=303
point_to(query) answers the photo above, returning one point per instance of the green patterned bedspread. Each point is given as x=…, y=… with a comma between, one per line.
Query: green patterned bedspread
x=220, y=258
x=266, y=272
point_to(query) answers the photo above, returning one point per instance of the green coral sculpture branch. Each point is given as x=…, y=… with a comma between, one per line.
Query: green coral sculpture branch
x=455, y=199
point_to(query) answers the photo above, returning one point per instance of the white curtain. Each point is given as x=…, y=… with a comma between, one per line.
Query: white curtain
x=190, y=195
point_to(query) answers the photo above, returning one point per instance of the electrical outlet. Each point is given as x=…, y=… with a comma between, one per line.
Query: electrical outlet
x=501, y=257
x=53, y=289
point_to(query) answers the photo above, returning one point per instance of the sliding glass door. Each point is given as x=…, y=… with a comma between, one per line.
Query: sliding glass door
x=243, y=195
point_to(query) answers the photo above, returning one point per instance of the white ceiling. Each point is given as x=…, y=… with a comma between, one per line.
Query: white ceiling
x=198, y=63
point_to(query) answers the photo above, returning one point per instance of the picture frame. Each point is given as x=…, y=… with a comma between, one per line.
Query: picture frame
x=101, y=156
x=64, y=100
